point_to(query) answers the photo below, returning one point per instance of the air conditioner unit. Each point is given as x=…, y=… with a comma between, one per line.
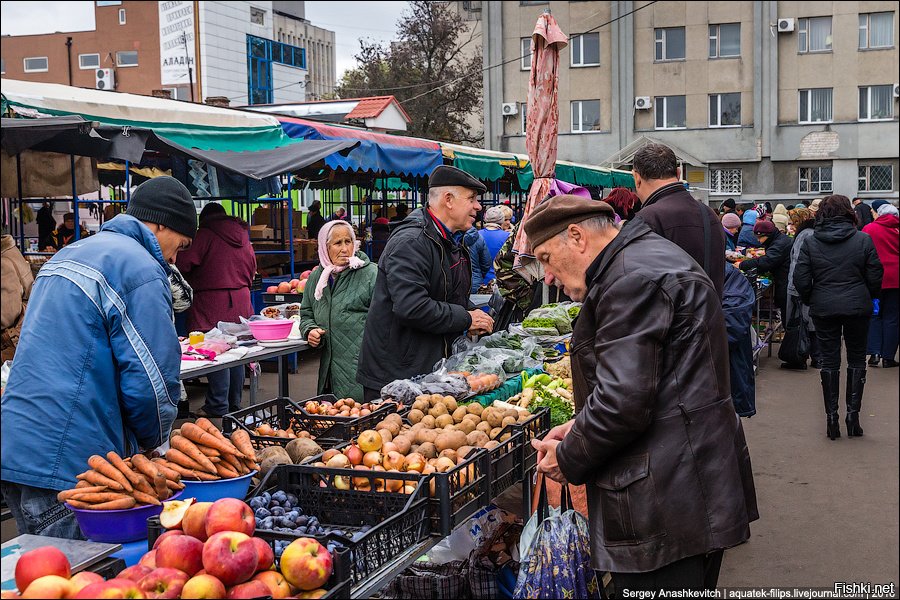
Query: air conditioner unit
x=509, y=108
x=106, y=79
x=897, y=90
x=642, y=103
x=785, y=25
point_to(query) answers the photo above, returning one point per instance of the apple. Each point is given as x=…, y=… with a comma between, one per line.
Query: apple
x=181, y=552
x=163, y=583
x=294, y=283
x=134, y=573
x=203, y=586
x=284, y=287
x=306, y=563
x=48, y=586
x=266, y=554
x=302, y=286
x=370, y=440
x=272, y=289
x=305, y=274
x=148, y=560
x=83, y=579
x=319, y=593
x=166, y=535
x=275, y=581
x=251, y=589
x=194, y=522
x=230, y=556
x=230, y=514
x=39, y=562
x=114, y=588
x=173, y=513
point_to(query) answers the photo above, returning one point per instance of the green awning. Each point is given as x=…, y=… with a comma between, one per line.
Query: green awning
x=391, y=184
x=485, y=168
x=625, y=180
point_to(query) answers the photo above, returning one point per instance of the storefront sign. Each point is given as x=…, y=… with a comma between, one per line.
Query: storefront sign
x=176, y=42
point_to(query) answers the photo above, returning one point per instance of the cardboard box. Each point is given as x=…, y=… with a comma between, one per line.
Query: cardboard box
x=276, y=217
x=261, y=232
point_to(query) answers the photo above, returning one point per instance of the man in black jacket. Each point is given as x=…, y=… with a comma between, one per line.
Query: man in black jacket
x=421, y=300
x=863, y=213
x=670, y=211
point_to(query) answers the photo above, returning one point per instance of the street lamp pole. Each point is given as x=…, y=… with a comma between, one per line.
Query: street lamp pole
x=187, y=58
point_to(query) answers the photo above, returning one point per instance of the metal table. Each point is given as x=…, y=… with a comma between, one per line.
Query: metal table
x=81, y=554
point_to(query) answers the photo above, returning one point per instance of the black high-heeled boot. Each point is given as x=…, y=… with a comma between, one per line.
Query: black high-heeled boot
x=831, y=393
x=856, y=382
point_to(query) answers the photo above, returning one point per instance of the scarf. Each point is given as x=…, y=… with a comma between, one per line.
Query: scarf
x=328, y=267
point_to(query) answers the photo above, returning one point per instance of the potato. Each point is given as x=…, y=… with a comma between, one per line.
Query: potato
x=477, y=438
x=466, y=426
x=269, y=463
x=403, y=444
x=270, y=451
x=421, y=403
x=511, y=412
x=438, y=410
x=415, y=415
x=427, y=435
x=495, y=432
x=428, y=421
x=428, y=450
x=299, y=448
x=474, y=408
x=450, y=439
x=414, y=448
x=435, y=399
x=443, y=420
x=459, y=414
x=463, y=452
x=394, y=428
x=491, y=444
x=505, y=437
x=470, y=417
x=386, y=435
x=484, y=426
x=508, y=421
x=523, y=417
x=448, y=453
x=495, y=418
x=450, y=403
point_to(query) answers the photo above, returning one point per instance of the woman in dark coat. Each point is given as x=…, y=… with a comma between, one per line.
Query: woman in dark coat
x=837, y=275
x=776, y=260
x=738, y=299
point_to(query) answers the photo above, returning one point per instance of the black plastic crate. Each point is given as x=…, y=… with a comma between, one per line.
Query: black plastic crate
x=336, y=427
x=536, y=426
x=280, y=413
x=459, y=492
x=507, y=462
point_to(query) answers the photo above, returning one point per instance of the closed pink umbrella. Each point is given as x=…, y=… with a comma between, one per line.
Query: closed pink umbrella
x=543, y=122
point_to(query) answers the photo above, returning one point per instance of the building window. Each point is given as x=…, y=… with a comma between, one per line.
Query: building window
x=525, y=54
x=815, y=105
x=725, y=110
x=876, y=103
x=36, y=64
x=670, y=43
x=670, y=112
x=876, y=178
x=585, y=50
x=257, y=16
x=532, y=2
x=121, y=16
x=815, y=180
x=585, y=115
x=261, y=54
x=815, y=35
x=876, y=30
x=725, y=40
x=523, y=110
x=108, y=3
x=88, y=61
x=127, y=58
x=725, y=182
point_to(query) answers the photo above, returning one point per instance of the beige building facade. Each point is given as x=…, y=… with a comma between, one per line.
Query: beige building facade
x=761, y=100
x=290, y=26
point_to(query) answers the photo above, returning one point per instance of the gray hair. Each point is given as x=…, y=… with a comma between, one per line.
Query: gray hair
x=655, y=161
x=595, y=224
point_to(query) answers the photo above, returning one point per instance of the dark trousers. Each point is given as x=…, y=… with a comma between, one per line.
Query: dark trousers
x=225, y=390
x=855, y=331
x=699, y=572
x=38, y=512
x=885, y=326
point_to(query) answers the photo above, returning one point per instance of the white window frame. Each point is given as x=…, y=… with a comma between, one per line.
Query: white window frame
x=581, y=123
x=523, y=110
x=865, y=27
x=803, y=35
x=121, y=16
x=717, y=37
x=659, y=37
x=806, y=119
x=868, y=89
x=90, y=67
x=581, y=63
x=662, y=103
x=525, y=55
x=718, y=115
x=716, y=190
x=808, y=180
x=27, y=58
x=867, y=178
x=128, y=65
x=255, y=11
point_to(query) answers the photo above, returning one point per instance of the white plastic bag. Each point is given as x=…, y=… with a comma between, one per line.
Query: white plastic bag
x=479, y=528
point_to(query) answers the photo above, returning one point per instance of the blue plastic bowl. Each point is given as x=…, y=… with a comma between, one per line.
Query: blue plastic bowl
x=210, y=491
x=117, y=526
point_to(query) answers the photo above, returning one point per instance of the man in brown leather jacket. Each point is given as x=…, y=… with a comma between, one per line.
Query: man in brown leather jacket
x=17, y=280
x=655, y=437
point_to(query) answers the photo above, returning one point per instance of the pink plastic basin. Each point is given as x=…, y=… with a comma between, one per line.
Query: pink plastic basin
x=271, y=329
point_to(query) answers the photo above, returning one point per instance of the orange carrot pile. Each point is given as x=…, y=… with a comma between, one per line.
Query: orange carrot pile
x=199, y=451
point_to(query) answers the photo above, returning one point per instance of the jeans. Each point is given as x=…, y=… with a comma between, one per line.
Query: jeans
x=883, y=337
x=225, y=390
x=37, y=512
x=855, y=331
x=699, y=572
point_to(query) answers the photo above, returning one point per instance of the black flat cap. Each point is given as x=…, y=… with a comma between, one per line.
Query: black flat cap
x=446, y=175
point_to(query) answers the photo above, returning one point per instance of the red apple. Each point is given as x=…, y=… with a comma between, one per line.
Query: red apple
x=272, y=289
x=9, y=594
x=294, y=283
x=203, y=586
x=173, y=513
x=134, y=573
x=165, y=535
x=275, y=581
x=181, y=552
x=320, y=593
x=194, y=522
x=302, y=286
x=251, y=589
x=83, y=579
x=266, y=555
x=114, y=588
x=230, y=514
x=49, y=586
x=284, y=287
x=305, y=274
x=148, y=560
x=163, y=583
x=306, y=564
x=231, y=557
x=39, y=562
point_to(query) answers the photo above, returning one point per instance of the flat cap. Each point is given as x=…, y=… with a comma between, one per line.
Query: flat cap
x=554, y=215
x=446, y=175
x=764, y=228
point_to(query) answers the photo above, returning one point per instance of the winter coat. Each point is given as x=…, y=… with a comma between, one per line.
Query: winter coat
x=673, y=213
x=314, y=223
x=863, y=215
x=418, y=308
x=220, y=266
x=792, y=295
x=885, y=233
x=481, y=257
x=655, y=436
x=746, y=237
x=342, y=313
x=838, y=272
x=16, y=285
x=777, y=261
x=98, y=362
x=737, y=304
x=494, y=238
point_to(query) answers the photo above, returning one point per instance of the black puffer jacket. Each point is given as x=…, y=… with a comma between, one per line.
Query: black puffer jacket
x=419, y=307
x=776, y=261
x=655, y=438
x=838, y=272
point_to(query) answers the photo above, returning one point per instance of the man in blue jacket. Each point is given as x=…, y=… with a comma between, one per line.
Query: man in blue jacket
x=98, y=359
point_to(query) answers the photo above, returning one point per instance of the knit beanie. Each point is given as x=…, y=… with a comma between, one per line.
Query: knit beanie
x=165, y=201
x=731, y=220
x=764, y=228
x=878, y=204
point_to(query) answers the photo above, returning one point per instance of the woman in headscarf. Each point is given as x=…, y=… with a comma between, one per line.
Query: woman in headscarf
x=746, y=237
x=335, y=306
x=780, y=218
x=803, y=223
x=885, y=233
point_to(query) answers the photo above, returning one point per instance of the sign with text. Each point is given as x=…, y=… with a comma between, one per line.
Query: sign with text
x=176, y=42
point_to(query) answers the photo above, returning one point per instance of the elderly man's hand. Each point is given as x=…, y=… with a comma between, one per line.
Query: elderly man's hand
x=548, y=464
x=481, y=322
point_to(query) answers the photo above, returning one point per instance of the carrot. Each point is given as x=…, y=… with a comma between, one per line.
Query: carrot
x=121, y=504
x=232, y=460
x=206, y=476
x=225, y=471
x=210, y=452
x=102, y=466
x=199, y=436
x=174, y=486
x=191, y=451
x=82, y=484
x=78, y=504
x=98, y=497
x=66, y=494
x=241, y=441
x=144, y=486
x=176, y=456
x=143, y=466
x=184, y=472
x=116, y=461
x=146, y=498
x=95, y=478
x=159, y=485
x=163, y=466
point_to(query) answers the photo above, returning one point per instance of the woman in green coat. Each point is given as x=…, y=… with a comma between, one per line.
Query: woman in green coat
x=334, y=308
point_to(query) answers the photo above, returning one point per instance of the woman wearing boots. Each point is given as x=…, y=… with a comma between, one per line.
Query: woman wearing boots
x=837, y=275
